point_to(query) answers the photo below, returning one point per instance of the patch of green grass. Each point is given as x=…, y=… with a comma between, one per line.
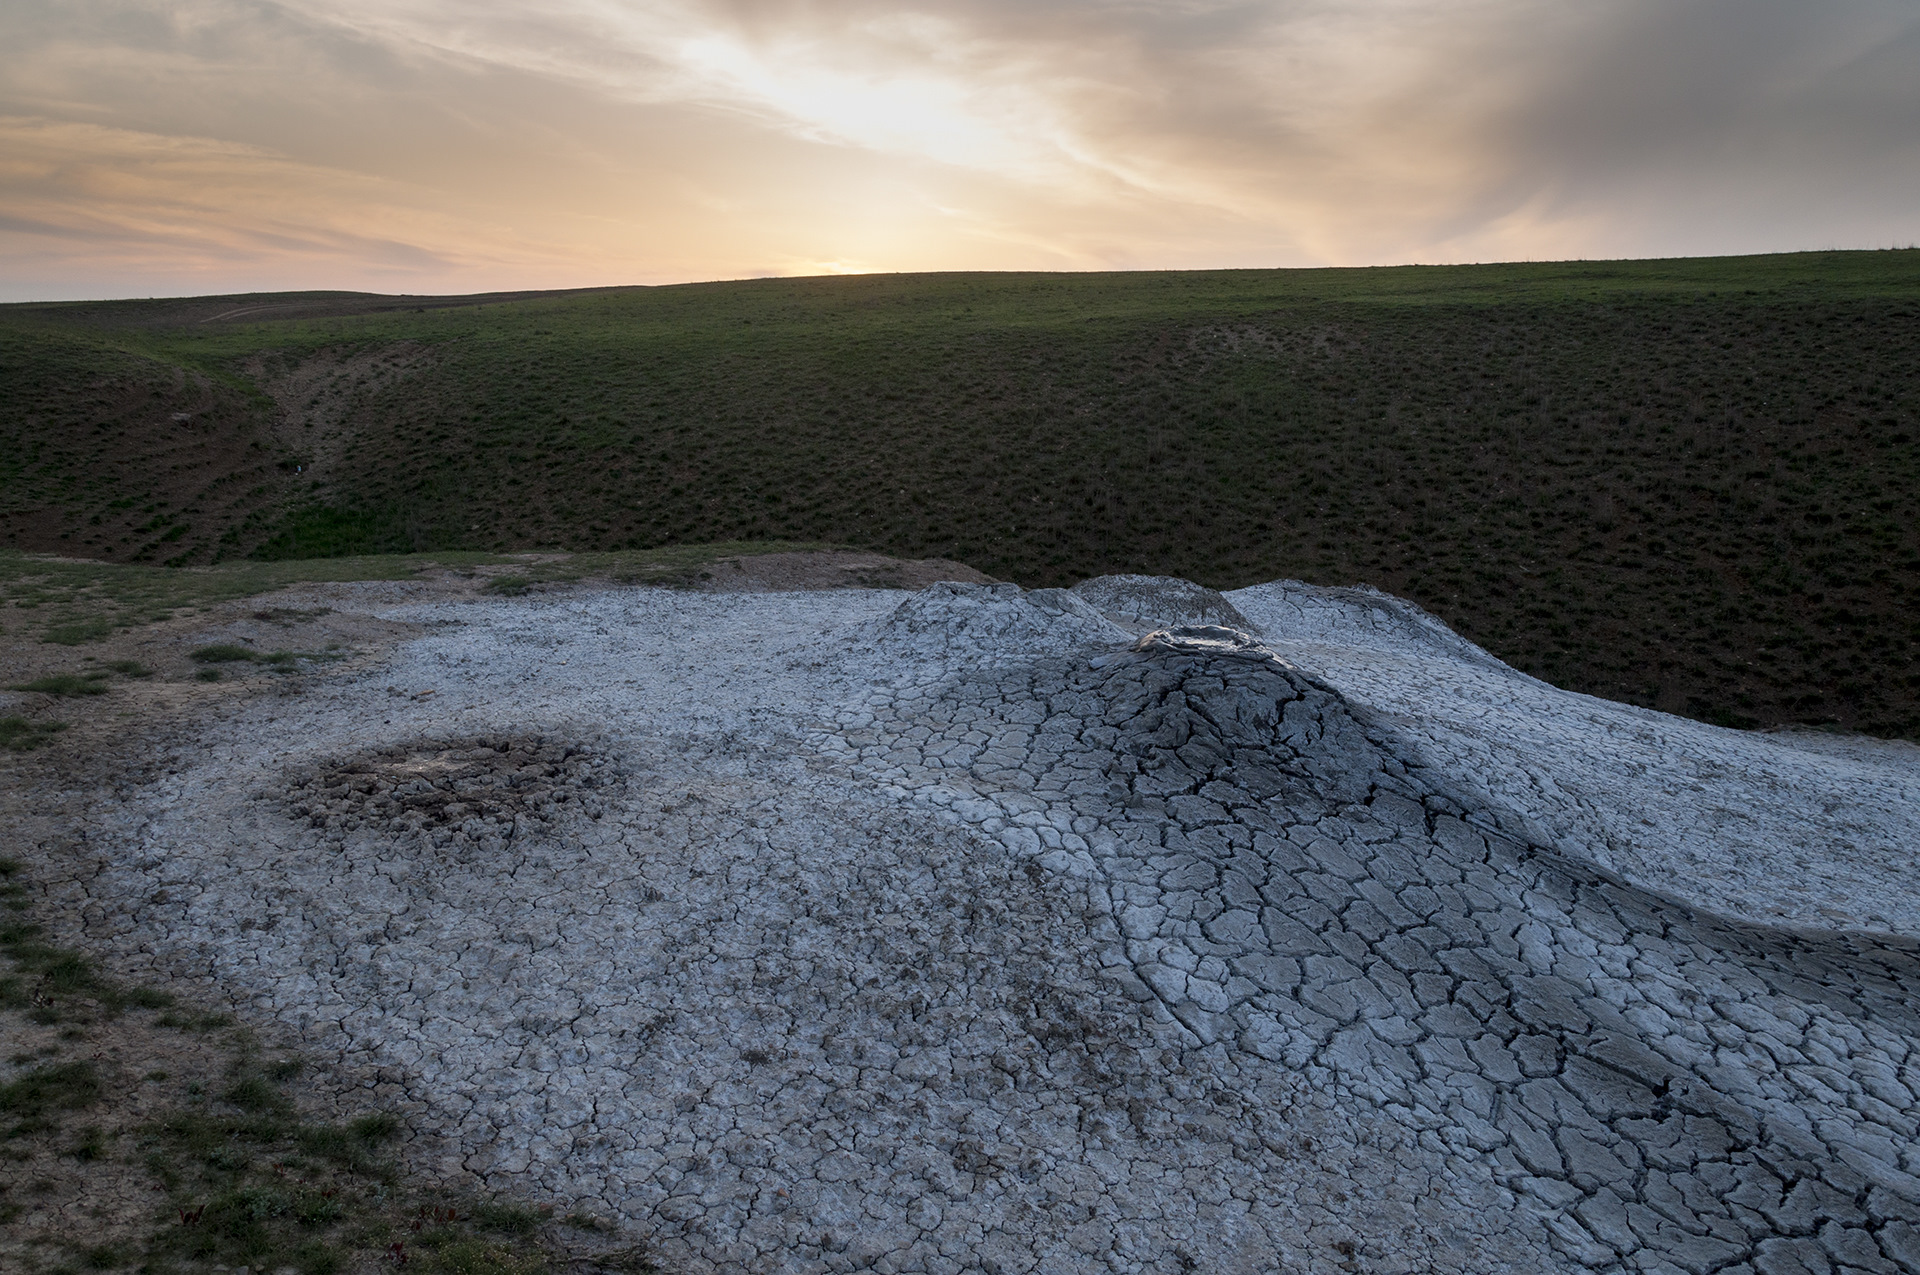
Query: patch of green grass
x=506, y=1218
x=18, y=734
x=254, y=1093
x=473, y=1256
x=91, y=1145
x=108, y=595
x=223, y=653
x=289, y=616
x=106, y=1257
x=32, y=1102
x=322, y=532
x=64, y=684
x=78, y=632
x=146, y=997
x=130, y=668
x=509, y=586
x=232, y=653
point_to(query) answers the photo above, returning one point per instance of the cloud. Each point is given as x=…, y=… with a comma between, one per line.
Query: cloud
x=513, y=142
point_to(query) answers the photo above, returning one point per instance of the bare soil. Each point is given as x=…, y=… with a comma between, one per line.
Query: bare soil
x=787, y=572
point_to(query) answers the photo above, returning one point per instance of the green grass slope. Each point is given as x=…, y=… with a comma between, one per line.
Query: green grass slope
x=1688, y=484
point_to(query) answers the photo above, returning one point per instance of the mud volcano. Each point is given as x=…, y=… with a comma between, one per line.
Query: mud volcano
x=973, y=930
x=479, y=787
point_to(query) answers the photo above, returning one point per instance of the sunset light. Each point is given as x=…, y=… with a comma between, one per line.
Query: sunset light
x=155, y=145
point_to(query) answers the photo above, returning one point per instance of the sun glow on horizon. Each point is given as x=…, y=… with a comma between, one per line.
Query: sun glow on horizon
x=415, y=145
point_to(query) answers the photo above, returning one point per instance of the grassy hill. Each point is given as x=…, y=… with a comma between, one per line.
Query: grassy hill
x=1689, y=484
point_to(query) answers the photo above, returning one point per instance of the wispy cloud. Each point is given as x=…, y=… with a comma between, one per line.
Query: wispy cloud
x=497, y=142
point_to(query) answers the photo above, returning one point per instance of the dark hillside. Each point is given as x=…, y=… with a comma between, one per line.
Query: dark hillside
x=1687, y=484
x=105, y=452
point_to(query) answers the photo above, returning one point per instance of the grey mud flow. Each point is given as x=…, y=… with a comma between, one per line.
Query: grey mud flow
x=1014, y=941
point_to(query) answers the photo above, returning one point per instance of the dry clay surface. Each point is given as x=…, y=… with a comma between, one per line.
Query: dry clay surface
x=965, y=930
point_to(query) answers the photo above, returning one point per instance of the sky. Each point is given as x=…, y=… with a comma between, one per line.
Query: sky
x=171, y=147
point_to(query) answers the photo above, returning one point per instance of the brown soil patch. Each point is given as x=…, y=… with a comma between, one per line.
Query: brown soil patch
x=319, y=629
x=794, y=572
x=321, y=396
x=292, y=642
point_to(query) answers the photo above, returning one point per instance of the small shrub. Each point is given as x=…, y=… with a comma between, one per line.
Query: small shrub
x=317, y=1208
x=508, y=1219
x=91, y=1146
x=69, y=972
x=208, y=675
x=330, y=1144
x=254, y=1093
x=130, y=668
x=228, y=1159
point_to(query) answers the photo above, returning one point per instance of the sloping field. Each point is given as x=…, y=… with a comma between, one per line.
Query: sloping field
x=1689, y=485
x=968, y=929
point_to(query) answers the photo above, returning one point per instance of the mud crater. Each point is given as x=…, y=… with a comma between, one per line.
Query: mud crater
x=480, y=784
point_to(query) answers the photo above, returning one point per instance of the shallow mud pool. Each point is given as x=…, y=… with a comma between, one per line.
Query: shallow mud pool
x=979, y=930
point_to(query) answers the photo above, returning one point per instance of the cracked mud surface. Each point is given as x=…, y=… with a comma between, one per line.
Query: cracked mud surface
x=948, y=932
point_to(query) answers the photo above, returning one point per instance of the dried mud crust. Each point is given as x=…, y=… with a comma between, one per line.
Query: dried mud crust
x=487, y=784
x=966, y=952
x=1664, y=1089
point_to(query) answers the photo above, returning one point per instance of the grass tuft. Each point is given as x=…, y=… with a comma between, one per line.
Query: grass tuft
x=79, y=632
x=470, y=1256
x=509, y=586
x=256, y=1094
x=222, y=653
x=19, y=735
x=31, y=1100
x=64, y=684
